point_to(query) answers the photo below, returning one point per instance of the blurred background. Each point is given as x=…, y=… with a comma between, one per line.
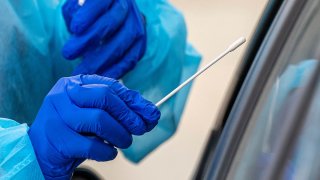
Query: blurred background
x=212, y=26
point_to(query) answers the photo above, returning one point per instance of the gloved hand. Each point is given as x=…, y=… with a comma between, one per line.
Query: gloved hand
x=109, y=35
x=82, y=105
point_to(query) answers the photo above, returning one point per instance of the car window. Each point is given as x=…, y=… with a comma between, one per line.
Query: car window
x=294, y=67
x=304, y=162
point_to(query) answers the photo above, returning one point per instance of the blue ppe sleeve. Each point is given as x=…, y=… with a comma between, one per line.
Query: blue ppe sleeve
x=32, y=33
x=17, y=158
x=168, y=61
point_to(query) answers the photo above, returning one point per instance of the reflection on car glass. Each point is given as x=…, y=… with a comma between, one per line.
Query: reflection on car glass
x=257, y=154
x=293, y=78
x=304, y=162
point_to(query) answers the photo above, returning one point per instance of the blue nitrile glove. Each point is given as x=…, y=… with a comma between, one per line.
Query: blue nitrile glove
x=108, y=34
x=87, y=105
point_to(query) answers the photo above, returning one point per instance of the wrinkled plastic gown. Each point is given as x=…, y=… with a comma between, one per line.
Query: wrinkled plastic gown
x=32, y=34
x=17, y=159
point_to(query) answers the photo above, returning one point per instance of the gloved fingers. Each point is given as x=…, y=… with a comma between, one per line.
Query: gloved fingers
x=146, y=109
x=91, y=148
x=128, y=61
x=69, y=8
x=76, y=46
x=111, y=50
x=104, y=27
x=88, y=13
x=134, y=100
x=97, y=122
x=102, y=97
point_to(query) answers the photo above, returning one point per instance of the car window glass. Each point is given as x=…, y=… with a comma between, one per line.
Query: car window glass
x=292, y=70
x=304, y=162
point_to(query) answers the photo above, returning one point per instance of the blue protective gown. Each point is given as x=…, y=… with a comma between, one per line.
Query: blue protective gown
x=32, y=33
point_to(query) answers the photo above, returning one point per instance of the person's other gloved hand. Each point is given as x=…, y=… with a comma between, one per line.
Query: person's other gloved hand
x=82, y=105
x=109, y=35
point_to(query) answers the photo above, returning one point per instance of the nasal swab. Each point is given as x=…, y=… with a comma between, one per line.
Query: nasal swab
x=231, y=48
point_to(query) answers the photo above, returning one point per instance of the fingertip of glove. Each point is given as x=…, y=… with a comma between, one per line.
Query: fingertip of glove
x=151, y=116
x=67, y=53
x=138, y=132
x=150, y=126
x=137, y=127
x=113, y=154
x=126, y=143
x=152, y=112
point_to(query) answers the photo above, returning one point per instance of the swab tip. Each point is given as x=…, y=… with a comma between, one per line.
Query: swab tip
x=237, y=44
